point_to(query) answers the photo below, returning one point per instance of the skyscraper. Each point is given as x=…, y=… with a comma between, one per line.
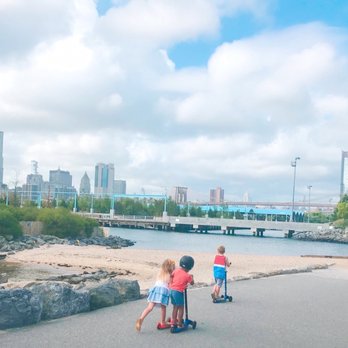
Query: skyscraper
x=344, y=174
x=120, y=187
x=217, y=195
x=1, y=158
x=104, y=179
x=85, y=185
x=179, y=194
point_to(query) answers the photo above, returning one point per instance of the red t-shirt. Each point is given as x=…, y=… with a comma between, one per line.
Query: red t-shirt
x=180, y=279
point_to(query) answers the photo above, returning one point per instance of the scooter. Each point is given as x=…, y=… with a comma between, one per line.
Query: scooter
x=186, y=322
x=225, y=297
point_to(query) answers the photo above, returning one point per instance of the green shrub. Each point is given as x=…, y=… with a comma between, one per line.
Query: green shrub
x=9, y=225
x=62, y=223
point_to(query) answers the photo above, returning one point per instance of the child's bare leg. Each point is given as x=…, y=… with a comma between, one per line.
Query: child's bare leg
x=147, y=310
x=163, y=314
x=180, y=314
x=174, y=315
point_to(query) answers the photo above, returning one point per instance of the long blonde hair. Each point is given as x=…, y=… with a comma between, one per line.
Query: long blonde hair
x=167, y=268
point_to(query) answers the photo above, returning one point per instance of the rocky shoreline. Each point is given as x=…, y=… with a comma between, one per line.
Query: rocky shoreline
x=333, y=235
x=9, y=246
x=63, y=295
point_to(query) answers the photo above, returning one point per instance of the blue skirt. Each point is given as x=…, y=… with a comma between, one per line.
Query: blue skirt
x=159, y=294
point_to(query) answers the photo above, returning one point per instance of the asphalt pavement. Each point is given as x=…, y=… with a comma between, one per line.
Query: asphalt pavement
x=300, y=310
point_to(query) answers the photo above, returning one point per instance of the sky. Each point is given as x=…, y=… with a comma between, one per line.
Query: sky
x=200, y=93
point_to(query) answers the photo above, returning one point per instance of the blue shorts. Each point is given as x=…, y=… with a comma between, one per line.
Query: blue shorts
x=219, y=282
x=177, y=298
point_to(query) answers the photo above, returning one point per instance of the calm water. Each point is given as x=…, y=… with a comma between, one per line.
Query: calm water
x=149, y=239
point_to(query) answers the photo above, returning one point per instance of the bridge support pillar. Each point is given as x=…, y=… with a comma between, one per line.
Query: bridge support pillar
x=290, y=233
x=259, y=232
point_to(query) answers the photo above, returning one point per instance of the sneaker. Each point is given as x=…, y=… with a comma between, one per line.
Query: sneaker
x=213, y=296
x=138, y=324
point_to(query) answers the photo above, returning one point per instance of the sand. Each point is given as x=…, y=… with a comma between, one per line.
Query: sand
x=144, y=264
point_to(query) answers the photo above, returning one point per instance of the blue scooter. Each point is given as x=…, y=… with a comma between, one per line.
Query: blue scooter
x=225, y=297
x=186, y=323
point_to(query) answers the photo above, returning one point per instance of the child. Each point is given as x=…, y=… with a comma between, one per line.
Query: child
x=180, y=279
x=159, y=294
x=220, y=264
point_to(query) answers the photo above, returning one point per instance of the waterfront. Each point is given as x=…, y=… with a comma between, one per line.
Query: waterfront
x=240, y=244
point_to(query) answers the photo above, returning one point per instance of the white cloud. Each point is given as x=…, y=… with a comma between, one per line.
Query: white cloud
x=78, y=88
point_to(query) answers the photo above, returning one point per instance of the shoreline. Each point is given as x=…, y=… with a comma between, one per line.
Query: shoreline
x=143, y=265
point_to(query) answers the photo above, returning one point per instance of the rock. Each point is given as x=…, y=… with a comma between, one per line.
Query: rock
x=112, y=292
x=104, y=295
x=129, y=289
x=19, y=307
x=3, y=278
x=60, y=299
x=3, y=256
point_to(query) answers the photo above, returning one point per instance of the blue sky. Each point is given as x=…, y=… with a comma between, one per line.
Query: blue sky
x=282, y=13
x=200, y=93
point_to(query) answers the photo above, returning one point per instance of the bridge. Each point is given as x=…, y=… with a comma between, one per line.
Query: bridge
x=204, y=224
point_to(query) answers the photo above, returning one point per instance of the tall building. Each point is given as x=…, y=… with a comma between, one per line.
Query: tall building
x=60, y=181
x=33, y=186
x=120, y=187
x=179, y=195
x=216, y=196
x=344, y=173
x=1, y=158
x=60, y=178
x=85, y=185
x=104, y=179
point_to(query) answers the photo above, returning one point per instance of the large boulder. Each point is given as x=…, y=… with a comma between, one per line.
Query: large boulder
x=60, y=299
x=19, y=307
x=129, y=289
x=113, y=292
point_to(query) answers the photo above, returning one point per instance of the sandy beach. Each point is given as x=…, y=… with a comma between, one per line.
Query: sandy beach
x=143, y=265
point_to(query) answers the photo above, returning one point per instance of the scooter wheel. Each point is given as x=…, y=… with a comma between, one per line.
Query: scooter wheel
x=172, y=329
x=214, y=301
x=222, y=296
x=230, y=298
x=194, y=324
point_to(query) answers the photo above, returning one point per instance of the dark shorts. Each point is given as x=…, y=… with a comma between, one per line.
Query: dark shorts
x=177, y=298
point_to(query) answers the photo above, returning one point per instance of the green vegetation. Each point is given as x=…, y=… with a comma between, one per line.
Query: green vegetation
x=341, y=213
x=62, y=223
x=9, y=225
x=59, y=222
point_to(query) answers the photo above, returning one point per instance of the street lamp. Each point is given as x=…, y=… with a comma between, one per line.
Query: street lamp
x=293, y=164
x=309, y=200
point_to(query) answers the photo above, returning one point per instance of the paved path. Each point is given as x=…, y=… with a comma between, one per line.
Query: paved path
x=302, y=310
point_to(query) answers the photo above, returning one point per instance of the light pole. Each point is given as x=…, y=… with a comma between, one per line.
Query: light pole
x=293, y=164
x=309, y=200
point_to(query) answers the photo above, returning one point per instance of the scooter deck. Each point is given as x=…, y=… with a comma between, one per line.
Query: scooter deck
x=187, y=324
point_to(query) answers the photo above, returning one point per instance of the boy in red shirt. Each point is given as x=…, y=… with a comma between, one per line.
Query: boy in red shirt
x=180, y=279
x=221, y=262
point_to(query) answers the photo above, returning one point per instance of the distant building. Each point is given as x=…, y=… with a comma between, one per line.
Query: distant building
x=104, y=179
x=60, y=181
x=85, y=185
x=33, y=186
x=344, y=174
x=120, y=187
x=1, y=158
x=179, y=195
x=216, y=196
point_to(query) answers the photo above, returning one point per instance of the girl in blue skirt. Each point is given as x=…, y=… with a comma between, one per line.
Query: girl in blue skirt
x=159, y=295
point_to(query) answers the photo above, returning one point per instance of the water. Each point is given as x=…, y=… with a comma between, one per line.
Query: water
x=161, y=240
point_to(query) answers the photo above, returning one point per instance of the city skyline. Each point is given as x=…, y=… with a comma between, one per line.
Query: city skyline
x=228, y=96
